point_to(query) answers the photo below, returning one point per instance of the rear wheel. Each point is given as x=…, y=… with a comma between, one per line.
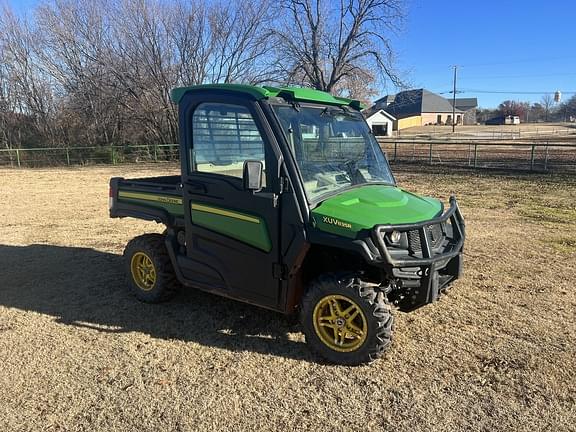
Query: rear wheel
x=149, y=269
x=346, y=320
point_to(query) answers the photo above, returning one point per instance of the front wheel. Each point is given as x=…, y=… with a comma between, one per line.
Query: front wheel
x=346, y=320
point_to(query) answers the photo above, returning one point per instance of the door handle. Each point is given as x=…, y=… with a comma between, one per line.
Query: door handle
x=269, y=195
x=194, y=187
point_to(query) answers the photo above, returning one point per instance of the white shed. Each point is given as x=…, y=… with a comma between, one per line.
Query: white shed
x=380, y=122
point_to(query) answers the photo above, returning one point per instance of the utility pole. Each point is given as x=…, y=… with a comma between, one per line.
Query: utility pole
x=454, y=101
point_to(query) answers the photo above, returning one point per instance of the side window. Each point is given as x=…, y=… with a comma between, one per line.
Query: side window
x=223, y=137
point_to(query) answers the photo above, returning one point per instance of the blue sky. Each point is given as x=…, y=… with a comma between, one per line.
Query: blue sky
x=510, y=46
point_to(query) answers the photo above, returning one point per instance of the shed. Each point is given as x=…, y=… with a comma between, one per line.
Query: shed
x=381, y=122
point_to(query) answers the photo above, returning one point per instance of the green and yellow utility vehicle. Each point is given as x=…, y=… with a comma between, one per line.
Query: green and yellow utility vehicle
x=286, y=201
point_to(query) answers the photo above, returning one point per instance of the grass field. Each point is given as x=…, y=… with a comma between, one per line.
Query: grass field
x=528, y=130
x=78, y=353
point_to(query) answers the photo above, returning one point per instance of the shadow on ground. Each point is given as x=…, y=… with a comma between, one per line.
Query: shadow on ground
x=84, y=287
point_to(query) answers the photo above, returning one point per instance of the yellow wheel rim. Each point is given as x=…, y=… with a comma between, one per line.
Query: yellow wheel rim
x=340, y=323
x=143, y=271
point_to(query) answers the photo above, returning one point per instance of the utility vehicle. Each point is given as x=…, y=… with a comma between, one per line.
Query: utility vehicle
x=286, y=201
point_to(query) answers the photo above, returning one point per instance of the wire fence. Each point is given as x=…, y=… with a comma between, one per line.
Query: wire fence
x=492, y=133
x=66, y=156
x=533, y=155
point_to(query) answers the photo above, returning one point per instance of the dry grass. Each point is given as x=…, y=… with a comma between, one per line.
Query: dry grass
x=78, y=353
x=497, y=131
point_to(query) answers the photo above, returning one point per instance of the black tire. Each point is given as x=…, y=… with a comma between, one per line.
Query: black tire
x=377, y=319
x=164, y=285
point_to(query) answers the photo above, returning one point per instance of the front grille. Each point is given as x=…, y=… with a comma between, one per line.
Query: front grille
x=435, y=234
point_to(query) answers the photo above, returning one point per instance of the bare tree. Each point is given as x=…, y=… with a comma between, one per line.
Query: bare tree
x=547, y=102
x=514, y=108
x=331, y=46
x=100, y=72
x=191, y=37
x=73, y=39
x=242, y=42
x=568, y=109
x=28, y=82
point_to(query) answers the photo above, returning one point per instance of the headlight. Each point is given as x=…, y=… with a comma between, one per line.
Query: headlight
x=395, y=237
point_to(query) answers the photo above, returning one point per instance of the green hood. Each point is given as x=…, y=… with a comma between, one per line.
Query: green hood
x=362, y=208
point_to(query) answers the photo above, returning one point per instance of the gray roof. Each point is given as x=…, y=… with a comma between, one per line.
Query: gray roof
x=465, y=103
x=371, y=111
x=383, y=101
x=415, y=102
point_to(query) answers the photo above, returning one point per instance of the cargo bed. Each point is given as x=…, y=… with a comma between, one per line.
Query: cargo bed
x=153, y=198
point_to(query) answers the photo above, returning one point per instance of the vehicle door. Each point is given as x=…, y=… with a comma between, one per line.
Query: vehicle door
x=232, y=234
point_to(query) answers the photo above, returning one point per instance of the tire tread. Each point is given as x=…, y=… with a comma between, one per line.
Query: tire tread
x=375, y=300
x=153, y=244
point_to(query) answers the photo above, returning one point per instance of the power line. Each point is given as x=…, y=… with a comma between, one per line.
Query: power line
x=520, y=76
x=511, y=92
x=535, y=60
x=532, y=60
x=467, y=90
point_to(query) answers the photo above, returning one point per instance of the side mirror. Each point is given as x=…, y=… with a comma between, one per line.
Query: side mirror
x=252, y=175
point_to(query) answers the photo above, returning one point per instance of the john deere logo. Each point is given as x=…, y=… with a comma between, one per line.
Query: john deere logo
x=169, y=200
x=333, y=221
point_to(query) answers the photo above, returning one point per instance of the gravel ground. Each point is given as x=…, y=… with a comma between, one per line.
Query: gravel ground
x=78, y=353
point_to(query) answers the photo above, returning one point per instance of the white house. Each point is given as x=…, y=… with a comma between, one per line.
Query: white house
x=380, y=122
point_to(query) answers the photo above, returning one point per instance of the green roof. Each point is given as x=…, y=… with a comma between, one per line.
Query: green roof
x=301, y=94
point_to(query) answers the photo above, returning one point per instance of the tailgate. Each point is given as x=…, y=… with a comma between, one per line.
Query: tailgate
x=147, y=199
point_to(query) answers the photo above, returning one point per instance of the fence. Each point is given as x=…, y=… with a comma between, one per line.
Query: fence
x=527, y=155
x=494, y=132
x=556, y=156
x=58, y=156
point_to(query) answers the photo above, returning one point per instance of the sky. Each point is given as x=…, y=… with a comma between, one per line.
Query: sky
x=508, y=46
x=524, y=48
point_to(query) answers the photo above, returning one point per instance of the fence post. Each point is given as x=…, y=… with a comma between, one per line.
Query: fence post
x=546, y=158
x=155, y=152
x=430, y=155
x=112, y=158
x=475, y=155
x=395, y=151
x=18, y=157
x=532, y=157
x=68, y=156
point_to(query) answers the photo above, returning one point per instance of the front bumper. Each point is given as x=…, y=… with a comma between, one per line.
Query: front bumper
x=433, y=261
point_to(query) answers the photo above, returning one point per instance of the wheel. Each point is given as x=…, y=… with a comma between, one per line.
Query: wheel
x=346, y=320
x=150, y=273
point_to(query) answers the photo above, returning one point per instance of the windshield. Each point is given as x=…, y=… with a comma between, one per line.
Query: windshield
x=333, y=148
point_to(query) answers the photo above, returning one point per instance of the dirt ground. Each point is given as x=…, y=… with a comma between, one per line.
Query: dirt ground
x=79, y=353
x=527, y=130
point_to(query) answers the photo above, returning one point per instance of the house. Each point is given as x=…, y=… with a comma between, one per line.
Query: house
x=381, y=122
x=468, y=106
x=421, y=107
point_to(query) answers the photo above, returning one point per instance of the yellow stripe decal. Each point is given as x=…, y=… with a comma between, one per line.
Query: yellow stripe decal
x=148, y=197
x=221, y=212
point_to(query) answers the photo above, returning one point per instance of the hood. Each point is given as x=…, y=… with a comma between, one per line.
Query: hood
x=362, y=208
